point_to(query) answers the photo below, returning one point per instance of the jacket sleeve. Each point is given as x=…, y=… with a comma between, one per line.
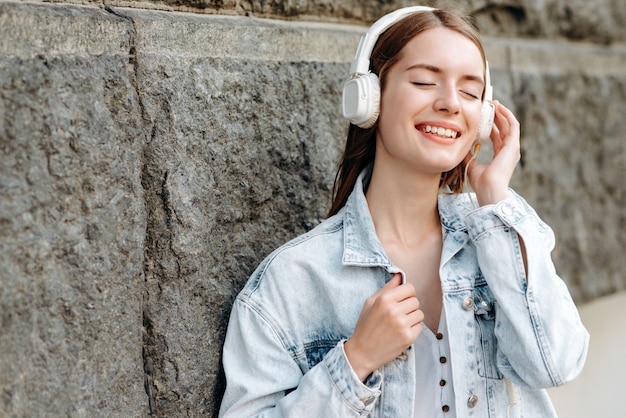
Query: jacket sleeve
x=264, y=380
x=540, y=337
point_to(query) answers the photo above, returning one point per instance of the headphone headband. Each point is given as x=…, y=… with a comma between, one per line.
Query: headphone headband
x=361, y=63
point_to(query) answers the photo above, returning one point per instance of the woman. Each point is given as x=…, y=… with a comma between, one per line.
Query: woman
x=412, y=299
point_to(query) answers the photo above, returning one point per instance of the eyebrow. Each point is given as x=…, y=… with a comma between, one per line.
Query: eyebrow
x=437, y=70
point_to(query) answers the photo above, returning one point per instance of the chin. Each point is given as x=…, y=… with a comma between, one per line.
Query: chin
x=448, y=164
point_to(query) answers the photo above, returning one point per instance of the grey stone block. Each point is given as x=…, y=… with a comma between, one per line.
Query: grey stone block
x=244, y=132
x=72, y=216
x=598, y=21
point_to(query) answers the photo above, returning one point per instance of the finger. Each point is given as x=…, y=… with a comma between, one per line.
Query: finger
x=507, y=121
x=502, y=132
x=495, y=131
x=509, y=129
x=395, y=281
x=401, y=292
x=513, y=123
x=502, y=120
x=415, y=317
x=408, y=305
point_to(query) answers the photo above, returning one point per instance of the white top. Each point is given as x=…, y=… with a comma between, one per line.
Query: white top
x=434, y=394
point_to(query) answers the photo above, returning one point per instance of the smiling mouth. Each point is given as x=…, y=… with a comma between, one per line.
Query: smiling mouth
x=439, y=131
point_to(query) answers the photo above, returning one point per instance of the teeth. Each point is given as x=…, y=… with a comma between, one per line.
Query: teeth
x=448, y=133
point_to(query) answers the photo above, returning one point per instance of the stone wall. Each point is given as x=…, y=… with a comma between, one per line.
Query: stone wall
x=149, y=159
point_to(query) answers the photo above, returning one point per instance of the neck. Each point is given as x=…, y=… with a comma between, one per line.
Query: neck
x=403, y=205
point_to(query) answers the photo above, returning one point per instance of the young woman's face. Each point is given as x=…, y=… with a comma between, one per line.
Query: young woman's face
x=431, y=104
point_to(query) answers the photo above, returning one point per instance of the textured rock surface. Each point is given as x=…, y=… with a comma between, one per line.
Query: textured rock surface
x=149, y=160
x=240, y=159
x=72, y=217
x=599, y=21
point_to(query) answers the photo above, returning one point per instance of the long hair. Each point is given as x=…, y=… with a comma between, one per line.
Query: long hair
x=361, y=143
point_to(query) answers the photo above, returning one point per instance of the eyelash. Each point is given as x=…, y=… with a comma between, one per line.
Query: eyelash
x=473, y=96
x=419, y=84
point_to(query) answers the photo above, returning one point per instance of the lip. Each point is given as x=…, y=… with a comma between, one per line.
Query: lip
x=437, y=138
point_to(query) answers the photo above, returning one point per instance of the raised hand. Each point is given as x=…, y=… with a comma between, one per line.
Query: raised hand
x=389, y=323
x=491, y=181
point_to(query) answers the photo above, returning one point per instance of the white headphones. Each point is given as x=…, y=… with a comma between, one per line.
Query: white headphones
x=361, y=92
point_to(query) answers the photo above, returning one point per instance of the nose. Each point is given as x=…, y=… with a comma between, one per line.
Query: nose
x=448, y=100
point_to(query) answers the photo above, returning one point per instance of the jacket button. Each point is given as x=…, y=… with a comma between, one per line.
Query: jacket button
x=468, y=303
x=472, y=401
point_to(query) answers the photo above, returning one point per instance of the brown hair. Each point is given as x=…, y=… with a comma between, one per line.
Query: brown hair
x=361, y=143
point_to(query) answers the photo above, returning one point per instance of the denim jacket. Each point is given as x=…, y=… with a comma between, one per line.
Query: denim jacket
x=283, y=354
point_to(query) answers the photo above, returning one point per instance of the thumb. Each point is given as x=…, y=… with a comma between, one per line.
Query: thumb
x=395, y=281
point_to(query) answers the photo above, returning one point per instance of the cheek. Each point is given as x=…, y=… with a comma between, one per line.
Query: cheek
x=390, y=113
x=398, y=94
x=475, y=115
x=389, y=103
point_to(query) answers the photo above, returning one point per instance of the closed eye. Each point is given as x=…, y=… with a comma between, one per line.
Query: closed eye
x=472, y=95
x=421, y=84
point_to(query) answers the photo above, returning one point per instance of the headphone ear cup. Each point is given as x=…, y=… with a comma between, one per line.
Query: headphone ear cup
x=486, y=122
x=361, y=100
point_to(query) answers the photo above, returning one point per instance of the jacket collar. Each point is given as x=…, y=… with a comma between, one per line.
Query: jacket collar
x=361, y=244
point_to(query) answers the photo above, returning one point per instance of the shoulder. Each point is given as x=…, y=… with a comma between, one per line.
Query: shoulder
x=308, y=252
x=293, y=276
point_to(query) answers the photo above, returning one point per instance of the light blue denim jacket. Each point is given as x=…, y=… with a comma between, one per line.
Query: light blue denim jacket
x=283, y=355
